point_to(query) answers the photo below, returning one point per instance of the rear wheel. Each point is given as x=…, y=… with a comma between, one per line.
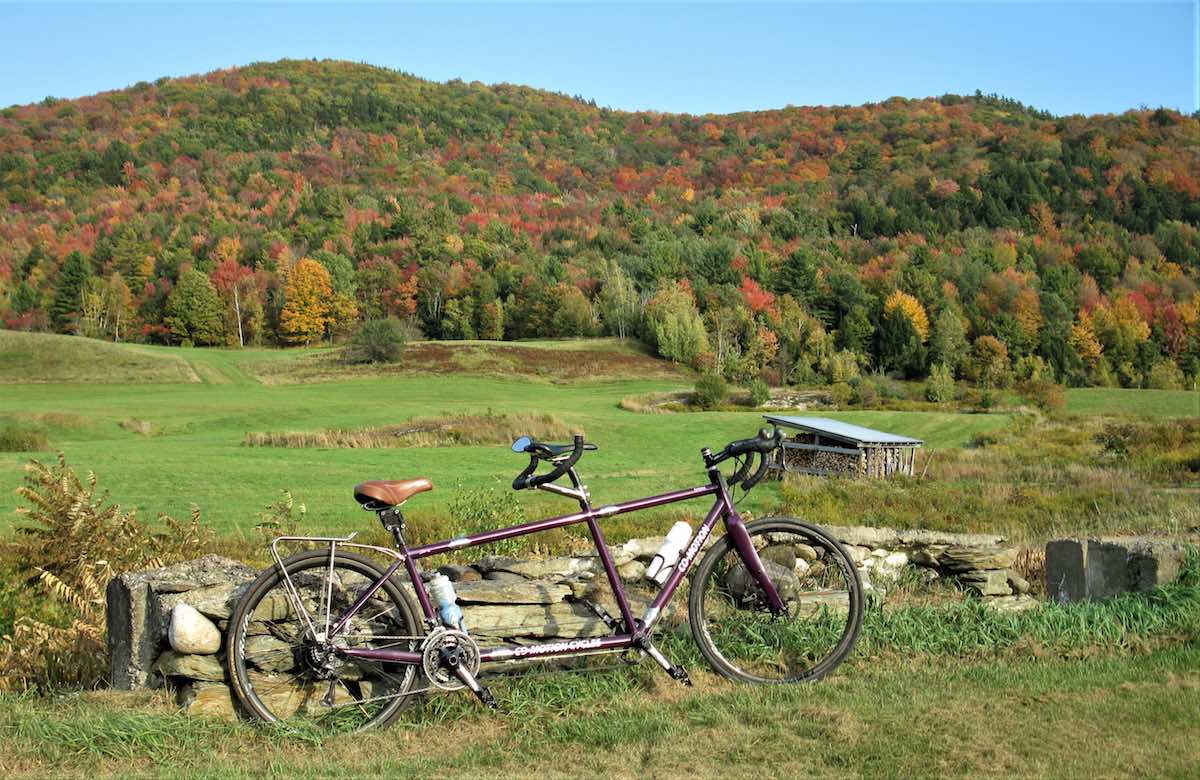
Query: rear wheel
x=740, y=636
x=283, y=672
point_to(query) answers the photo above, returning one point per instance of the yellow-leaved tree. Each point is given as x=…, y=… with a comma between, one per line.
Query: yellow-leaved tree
x=306, y=307
x=912, y=309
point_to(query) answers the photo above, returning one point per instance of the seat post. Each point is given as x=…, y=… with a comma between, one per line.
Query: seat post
x=585, y=502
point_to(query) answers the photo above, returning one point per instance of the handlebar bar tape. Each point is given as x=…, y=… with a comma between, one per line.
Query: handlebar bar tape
x=759, y=474
x=744, y=469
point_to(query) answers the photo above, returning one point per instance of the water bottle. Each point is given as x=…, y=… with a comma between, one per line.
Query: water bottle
x=668, y=555
x=444, y=596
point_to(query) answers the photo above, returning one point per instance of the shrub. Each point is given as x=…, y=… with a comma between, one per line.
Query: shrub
x=841, y=367
x=1044, y=394
x=1032, y=368
x=75, y=544
x=759, y=393
x=15, y=437
x=710, y=391
x=376, y=341
x=1165, y=375
x=865, y=393
x=939, y=388
x=1117, y=438
x=486, y=509
x=840, y=392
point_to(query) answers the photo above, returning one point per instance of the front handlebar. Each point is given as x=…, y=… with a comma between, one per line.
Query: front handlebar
x=763, y=444
x=538, y=453
x=564, y=458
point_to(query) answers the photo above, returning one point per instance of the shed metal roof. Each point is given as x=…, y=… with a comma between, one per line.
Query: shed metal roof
x=854, y=434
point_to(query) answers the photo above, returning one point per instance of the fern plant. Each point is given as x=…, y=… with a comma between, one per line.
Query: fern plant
x=74, y=542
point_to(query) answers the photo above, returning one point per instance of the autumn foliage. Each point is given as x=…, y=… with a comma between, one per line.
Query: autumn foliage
x=307, y=309
x=311, y=196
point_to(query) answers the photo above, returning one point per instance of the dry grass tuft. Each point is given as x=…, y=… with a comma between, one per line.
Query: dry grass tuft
x=446, y=431
x=140, y=427
x=655, y=403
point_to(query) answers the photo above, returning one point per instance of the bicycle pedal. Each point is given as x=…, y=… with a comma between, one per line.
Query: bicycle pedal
x=676, y=672
x=485, y=696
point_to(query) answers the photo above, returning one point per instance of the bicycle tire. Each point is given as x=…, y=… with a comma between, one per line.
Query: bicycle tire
x=240, y=671
x=702, y=584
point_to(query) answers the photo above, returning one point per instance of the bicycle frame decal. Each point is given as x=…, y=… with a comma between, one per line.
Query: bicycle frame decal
x=571, y=646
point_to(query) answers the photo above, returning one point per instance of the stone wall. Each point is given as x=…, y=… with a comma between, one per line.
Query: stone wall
x=166, y=626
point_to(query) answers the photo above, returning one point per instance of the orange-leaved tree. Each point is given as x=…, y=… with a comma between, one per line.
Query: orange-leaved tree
x=306, y=303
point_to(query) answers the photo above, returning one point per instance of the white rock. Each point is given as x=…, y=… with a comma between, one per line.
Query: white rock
x=896, y=560
x=192, y=633
x=879, y=552
x=857, y=554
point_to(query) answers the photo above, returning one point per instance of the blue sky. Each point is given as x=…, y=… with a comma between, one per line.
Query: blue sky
x=1085, y=57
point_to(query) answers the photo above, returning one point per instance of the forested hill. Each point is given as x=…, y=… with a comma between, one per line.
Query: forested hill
x=790, y=244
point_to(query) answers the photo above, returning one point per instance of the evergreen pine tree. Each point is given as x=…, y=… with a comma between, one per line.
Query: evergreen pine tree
x=194, y=312
x=64, y=311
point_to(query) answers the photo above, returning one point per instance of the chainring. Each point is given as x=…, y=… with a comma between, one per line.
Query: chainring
x=436, y=671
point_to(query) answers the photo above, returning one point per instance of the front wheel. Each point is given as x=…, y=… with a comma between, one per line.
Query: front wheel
x=737, y=632
x=284, y=672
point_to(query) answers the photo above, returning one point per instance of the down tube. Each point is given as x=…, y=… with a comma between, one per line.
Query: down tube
x=719, y=508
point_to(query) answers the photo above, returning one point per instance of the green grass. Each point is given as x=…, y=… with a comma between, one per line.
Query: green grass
x=1137, y=403
x=1014, y=717
x=198, y=458
x=47, y=358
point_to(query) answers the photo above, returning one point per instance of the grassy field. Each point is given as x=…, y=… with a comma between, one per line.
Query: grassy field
x=1148, y=403
x=1031, y=717
x=197, y=456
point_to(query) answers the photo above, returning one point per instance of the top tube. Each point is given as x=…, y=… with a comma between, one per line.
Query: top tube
x=436, y=548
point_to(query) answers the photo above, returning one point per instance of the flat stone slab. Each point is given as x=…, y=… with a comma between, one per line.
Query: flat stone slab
x=500, y=592
x=563, y=619
x=992, y=582
x=892, y=539
x=1098, y=568
x=193, y=667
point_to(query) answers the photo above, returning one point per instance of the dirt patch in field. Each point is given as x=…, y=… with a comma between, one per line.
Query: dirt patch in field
x=550, y=364
x=442, y=358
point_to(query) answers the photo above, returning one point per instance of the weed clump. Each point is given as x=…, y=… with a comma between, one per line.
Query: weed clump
x=16, y=437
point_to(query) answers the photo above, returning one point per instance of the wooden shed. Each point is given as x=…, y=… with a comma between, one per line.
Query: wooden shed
x=819, y=445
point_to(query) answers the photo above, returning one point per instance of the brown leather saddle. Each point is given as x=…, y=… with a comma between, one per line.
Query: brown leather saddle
x=379, y=494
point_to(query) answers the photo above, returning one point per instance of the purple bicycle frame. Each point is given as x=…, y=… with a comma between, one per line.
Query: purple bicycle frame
x=722, y=509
